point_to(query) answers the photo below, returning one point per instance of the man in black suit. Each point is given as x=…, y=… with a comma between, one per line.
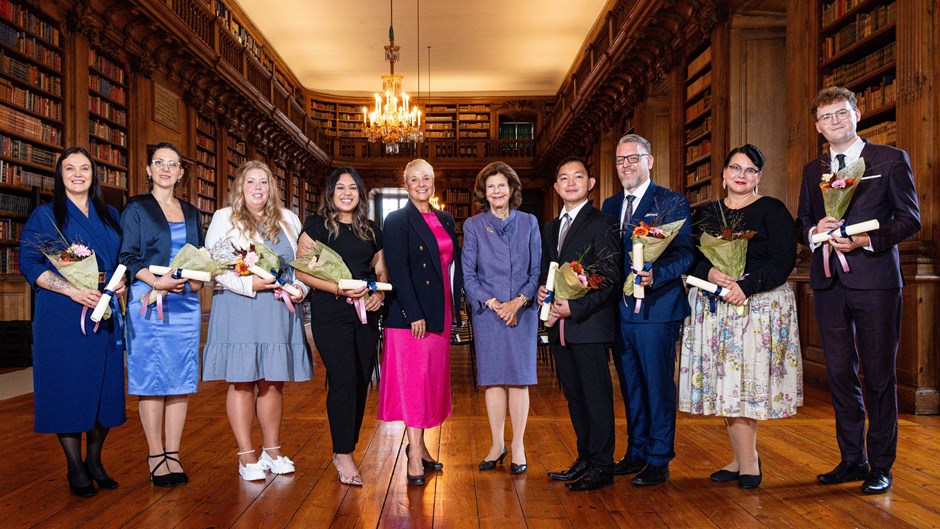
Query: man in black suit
x=860, y=303
x=584, y=232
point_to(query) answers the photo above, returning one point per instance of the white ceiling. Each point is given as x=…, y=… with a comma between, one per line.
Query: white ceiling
x=478, y=47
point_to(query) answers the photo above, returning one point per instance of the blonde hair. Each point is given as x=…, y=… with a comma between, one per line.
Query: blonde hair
x=245, y=221
x=419, y=164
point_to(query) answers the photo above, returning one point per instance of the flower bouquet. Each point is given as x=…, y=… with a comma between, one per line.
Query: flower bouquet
x=838, y=188
x=727, y=251
x=257, y=259
x=77, y=264
x=189, y=263
x=649, y=242
x=567, y=281
x=322, y=262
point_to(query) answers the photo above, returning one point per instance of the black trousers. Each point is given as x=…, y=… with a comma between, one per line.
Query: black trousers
x=348, y=353
x=584, y=371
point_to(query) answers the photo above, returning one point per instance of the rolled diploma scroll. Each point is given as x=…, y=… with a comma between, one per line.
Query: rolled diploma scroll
x=356, y=284
x=707, y=286
x=264, y=274
x=106, y=298
x=852, y=229
x=639, y=292
x=550, y=287
x=195, y=275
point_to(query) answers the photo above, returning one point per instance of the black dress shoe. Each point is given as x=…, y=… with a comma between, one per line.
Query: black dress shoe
x=179, y=478
x=165, y=480
x=627, y=466
x=723, y=476
x=575, y=471
x=486, y=464
x=878, y=481
x=103, y=483
x=593, y=479
x=844, y=472
x=85, y=491
x=428, y=464
x=651, y=475
x=415, y=480
x=518, y=469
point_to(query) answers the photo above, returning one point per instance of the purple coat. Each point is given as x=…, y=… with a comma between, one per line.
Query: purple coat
x=501, y=260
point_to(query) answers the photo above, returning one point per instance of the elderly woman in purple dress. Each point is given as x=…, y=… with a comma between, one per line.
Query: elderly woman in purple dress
x=501, y=258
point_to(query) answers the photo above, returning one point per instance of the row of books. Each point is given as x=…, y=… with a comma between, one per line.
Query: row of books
x=25, y=18
x=236, y=159
x=108, y=133
x=30, y=46
x=351, y=117
x=108, y=110
x=16, y=175
x=876, y=97
x=10, y=230
x=112, y=177
x=696, y=109
x=699, y=62
x=865, y=24
x=238, y=31
x=28, y=100
x=452, y=195
x=205, y=158
x=698, y=150
x=833, y=10
x=112, y=91
x=25, y=125
x=885, y=132
x=107, y=67
x=205, y=125
x=235, y=144
x=205, y=188
x=698, y=84
x=15, y=204
x=30, y=74
x=474, y=126
x=698, y=130
x=205, y=142
x=472, y=134
x=699, y=195
x=475, y=108
x=108, y=153
x=451, y=110
x=205, y=204
x=460, y=211
x=21, y=150
x=701, y=173
x=10, y=260
x=474, y=117
x=849, y=73
x=440, y=134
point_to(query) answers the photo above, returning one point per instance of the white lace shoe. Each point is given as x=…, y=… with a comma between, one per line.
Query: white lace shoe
x=281, y=465
x=251, y=471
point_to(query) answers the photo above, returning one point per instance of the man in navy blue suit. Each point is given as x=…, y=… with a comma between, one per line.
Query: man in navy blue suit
x=645, y=345
x=860, y=303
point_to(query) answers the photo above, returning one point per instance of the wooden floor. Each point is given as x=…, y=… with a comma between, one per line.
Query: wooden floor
x=33, y=491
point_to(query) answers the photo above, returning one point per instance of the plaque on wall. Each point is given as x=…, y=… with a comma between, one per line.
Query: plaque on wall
x=166, y=107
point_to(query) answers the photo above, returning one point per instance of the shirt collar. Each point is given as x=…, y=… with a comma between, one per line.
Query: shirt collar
x=574, y=211
x=638, y=192
x=854, y=152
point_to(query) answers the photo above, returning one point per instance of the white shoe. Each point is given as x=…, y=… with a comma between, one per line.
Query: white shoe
x=252, y=471
x=281, y=465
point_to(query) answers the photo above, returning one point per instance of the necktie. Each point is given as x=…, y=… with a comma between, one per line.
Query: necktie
x=627, y=213
x=841, y=159
x=565, y=224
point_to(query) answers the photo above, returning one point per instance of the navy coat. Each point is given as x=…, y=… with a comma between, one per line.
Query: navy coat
x=413, y=260
x=147, y=233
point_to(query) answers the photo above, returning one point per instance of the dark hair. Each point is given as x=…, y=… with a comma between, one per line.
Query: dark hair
x=569, y=160
x=330, y=214
x=164, y=145
x=751, y=151
x=833, y=94
x=515, y=185
x=95, y=198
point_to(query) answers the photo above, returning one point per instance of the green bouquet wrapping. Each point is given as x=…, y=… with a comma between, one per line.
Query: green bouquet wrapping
x=194, y=263
x=654, y=241
x=322, y=262
x=838, y=188
x=728, y=256
x=78, y=264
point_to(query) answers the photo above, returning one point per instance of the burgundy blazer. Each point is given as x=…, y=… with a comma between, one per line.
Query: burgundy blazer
x=887, y=194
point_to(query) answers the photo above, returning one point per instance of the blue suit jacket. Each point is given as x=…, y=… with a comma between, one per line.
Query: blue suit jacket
x=413, y=260
x=666, y=298
x=147, y=233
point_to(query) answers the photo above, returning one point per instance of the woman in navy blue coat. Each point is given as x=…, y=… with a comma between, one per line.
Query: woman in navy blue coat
x=78, y=378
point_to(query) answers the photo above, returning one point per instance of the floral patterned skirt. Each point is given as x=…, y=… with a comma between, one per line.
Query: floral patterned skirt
x=745, y=365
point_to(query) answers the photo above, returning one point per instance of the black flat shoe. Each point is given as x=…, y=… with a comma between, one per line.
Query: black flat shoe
x=84, y=491
x=723, y=476
x=166, y=480
x=103, y=483
x=179, y=478
x=415, y=480
x=750, y=481
x=427, y=463
x=486, y=464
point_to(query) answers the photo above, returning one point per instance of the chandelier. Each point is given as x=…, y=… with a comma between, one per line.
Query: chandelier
x=391, y=121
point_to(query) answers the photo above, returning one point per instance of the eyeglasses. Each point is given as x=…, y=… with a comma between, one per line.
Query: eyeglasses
x=839, y=115
x=630, y=158
x=169, y=165
x=736, y=169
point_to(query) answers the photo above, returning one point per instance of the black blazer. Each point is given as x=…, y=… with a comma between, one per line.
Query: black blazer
x=147, y=233
x=413, y=260
x=595, y=236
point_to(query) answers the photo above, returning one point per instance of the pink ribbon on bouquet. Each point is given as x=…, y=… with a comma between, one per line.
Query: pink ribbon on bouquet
x=144, y=303
x=281, y=295
x=360, y=306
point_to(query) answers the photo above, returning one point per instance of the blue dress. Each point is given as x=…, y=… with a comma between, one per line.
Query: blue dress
x=163, y=355
x=501, y=259
x=78, y=379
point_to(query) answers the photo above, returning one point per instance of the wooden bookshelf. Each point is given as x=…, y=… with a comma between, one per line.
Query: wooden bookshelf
x=32, y=125
x=473, y=121
x=324, y=115
x=349, y=121
x=281, y=180
x=440, y=121
x=204, y=172
x=237, y=28
x=459, y=203
x=236, y=154
x=107, y=124
x=858, y=50
x=697, y=127
x=311, y=198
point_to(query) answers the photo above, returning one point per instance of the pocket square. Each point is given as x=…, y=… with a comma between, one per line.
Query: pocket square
x=651, y=215
x=871, y=176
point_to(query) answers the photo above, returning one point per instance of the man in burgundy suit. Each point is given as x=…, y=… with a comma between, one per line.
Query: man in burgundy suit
x=861, y=302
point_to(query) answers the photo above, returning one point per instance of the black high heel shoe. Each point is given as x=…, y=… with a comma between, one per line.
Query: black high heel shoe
x=427, y=463
x=487, y=464
x=84, y=491
x=103, y=483
x=179, y=478
x=518, y=469
x=166, y=480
